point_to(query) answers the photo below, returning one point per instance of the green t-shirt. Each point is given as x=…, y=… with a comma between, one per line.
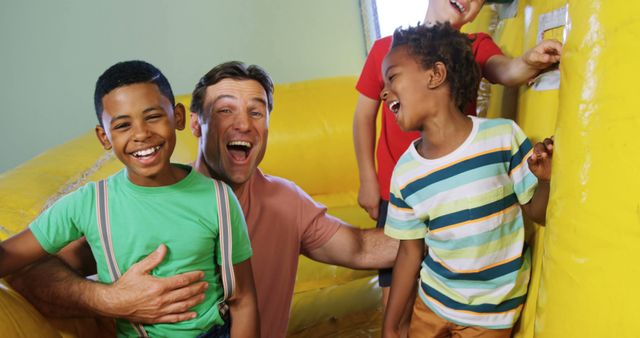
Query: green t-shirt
x=183, y=216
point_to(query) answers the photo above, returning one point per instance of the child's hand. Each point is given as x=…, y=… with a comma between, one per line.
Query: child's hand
x=545, y=54
x=369, y=198
x=540, y=161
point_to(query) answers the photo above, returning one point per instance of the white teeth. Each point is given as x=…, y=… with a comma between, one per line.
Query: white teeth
x=146, y=152
x=394, y=106
x=459, y=5
x=240, y=143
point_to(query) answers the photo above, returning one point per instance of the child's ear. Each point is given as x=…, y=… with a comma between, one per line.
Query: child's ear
x=179, y=116
x=195, y=125
x=437, y=75
x=102, y=137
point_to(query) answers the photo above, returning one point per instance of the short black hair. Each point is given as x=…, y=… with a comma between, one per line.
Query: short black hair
x=235, y=70
x=443, y=43
x=127, y=73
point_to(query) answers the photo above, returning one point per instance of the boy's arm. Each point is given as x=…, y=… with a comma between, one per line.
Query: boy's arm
x=57, y=290
x=243, y=305
x=405, y=275
x=364, y=140
x=540, y=165
x=19, y=251
x=513, y=72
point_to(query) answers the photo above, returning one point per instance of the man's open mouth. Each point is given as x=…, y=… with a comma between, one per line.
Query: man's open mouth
x=394, y=106
x=144, y=153
x=457, y=5
x=239, y=150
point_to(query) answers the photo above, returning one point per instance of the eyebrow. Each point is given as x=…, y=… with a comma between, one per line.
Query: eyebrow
x=388, y=69
x=259, y=100
x=228, y=96
x=125, y=116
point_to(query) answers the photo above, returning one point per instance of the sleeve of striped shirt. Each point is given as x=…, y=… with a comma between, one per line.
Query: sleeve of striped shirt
x=402, y=222
x=524, y=181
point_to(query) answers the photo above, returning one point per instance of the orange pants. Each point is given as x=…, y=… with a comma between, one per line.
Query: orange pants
x=426, y=324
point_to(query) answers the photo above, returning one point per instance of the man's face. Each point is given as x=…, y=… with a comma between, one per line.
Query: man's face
x=233, y=129
x=139, y=125
x=456, y=12
x=406, y=91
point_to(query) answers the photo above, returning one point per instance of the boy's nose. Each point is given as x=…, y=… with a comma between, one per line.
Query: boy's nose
x=384, y=94
x=141, y=132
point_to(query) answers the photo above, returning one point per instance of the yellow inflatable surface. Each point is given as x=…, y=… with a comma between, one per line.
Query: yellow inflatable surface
x=585, y=260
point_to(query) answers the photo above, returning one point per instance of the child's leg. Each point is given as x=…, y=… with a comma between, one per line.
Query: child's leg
x=478, y=332
x=425, y=323
x=384, y=275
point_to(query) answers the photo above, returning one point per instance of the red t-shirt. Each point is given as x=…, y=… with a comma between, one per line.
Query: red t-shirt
x=393, y=142
x=283, y=222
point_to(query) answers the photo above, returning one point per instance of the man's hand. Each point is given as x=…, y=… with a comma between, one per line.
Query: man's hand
x=139, y=297
x=543, y=55
x=540, y=161
x=369, y=197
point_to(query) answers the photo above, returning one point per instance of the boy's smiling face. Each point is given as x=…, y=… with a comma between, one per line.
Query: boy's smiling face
x=456, y=12
x=406, y=90
x=139, y=125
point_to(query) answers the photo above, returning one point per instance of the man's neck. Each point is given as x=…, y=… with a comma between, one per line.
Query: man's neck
x=201, y=166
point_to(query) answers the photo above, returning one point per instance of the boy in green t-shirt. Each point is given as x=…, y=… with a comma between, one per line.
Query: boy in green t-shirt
x=149, y=203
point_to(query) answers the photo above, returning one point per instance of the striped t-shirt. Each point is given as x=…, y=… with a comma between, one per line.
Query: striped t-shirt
x=466, y=206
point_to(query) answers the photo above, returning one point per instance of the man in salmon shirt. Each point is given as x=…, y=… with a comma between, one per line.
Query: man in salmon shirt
x=230, y=113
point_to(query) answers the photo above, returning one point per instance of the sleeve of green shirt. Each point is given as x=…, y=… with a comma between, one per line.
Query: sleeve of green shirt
x=58, y=226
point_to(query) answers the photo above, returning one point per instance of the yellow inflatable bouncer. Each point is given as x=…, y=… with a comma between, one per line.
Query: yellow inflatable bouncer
x=585, y=259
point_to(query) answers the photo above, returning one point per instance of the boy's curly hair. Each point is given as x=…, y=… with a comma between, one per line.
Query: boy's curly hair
x=441, y=42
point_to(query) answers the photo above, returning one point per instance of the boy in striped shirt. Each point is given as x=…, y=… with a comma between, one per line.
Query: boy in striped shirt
x=460, y=189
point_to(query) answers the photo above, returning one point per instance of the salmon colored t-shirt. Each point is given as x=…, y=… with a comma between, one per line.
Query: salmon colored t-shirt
x=283, y=222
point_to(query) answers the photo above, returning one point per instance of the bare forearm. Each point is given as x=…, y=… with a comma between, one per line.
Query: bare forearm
x=536, y=209
x=509, y=72
x=364, y=136
x=249, y=324
x=358, y=249
x=56, y=290
x=243, y=306
x=377, y=251
x=405, y=274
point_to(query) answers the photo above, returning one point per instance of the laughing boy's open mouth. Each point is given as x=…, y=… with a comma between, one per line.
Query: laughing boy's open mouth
x=458, y=6
x=394, y=106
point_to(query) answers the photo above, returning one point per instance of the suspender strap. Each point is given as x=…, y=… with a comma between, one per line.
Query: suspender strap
x=224, y=224
x=104, y=229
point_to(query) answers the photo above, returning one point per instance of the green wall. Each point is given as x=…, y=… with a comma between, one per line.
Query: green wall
x=51, y=53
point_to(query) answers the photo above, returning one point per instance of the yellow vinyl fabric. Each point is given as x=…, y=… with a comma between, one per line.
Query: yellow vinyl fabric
x=508, y=35
x=536, y=113
x=310, y=143
x=589, y=281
